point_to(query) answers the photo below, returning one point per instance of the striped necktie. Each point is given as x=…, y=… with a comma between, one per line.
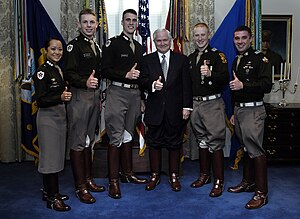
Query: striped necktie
x=164, y=66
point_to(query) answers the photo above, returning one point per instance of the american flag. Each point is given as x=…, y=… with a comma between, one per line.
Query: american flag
x=144, y=26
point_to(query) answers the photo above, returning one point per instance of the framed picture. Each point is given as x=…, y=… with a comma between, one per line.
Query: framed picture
x=280, y=29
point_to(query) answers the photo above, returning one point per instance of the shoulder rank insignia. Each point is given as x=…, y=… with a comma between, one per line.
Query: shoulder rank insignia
x=40, y=75
x=223, y=57
x=257, y=52
x=265, y=59
x=108, y=42
x=214, y=49
x=69, y=48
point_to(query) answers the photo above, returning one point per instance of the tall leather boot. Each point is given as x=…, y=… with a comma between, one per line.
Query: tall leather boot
x=260, y=197
x=127, y=174
x=174, y=162
x=54, y=201
x=113, y=158
x=44, y=190
x=78, y=168
x=90, y=183
x=247, y=184
x=204, y=161
x=155, y=166
x=218, y=170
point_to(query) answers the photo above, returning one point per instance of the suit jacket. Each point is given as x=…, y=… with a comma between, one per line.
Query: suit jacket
x=176, y=93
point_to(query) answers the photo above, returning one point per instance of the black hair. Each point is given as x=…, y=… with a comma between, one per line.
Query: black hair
x=131, y=11
x=47, y=43
x=243, y=28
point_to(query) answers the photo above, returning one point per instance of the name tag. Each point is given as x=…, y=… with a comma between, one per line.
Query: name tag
x=124, y=55
x=87, y=55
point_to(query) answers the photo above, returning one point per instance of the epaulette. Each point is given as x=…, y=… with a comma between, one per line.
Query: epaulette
x=214, y=49
x=257, y=52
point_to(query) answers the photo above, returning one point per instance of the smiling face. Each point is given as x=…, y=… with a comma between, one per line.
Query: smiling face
x=88, y=25
x=242, y=40
x=162, y=41
x=129, y=23
x=54, y=51
x=201, y=37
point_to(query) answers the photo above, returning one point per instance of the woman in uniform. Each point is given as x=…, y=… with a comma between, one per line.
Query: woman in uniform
x=51, y=92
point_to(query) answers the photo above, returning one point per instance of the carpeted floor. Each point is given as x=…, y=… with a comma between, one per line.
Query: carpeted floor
x=20, y=196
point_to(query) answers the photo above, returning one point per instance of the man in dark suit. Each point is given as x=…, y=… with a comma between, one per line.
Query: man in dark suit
x=165, y=75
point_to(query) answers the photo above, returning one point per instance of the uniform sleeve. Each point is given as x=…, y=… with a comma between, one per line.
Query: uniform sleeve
x=45, y=98
x=263, y=83
x=71, y=73
x=220, y=74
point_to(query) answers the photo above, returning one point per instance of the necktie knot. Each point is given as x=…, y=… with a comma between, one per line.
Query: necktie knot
x=164, y=66
x=59, y=70
x=198, y=56
x=238, y=61
x=93, y=46
x=132, y=46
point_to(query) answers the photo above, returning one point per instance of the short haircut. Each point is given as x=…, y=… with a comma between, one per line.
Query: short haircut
x=159, y=30
x=86, y=11
x=201, y=24
x=243, y=28
x=131, y=11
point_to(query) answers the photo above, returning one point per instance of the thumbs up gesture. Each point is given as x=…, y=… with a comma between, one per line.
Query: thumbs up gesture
x=133, y=73
x=92, y=81
x=158, y=85
x=204, y=69
x=236, y=84
x=66, y=95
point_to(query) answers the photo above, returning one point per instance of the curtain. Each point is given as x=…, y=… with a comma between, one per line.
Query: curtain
x=69, y=11
x=199, y=11
x=10, y=133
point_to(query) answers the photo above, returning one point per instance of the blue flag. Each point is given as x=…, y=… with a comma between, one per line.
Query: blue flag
x=39, y=28
x=223, y=41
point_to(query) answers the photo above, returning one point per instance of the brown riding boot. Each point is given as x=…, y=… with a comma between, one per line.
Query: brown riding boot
x=247, y=184
x=260, y=197
x=114, y=189
x=127, y=174
x=78, y=168
x=90, y=183
x=113, y=157
x=218, y=170
x=204, y=161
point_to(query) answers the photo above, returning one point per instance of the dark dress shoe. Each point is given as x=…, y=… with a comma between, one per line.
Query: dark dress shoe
x=153, y=182
x=217, y=189
x=61, y=196
x=130, y=178
x=57, y=204
x=258, y=200
x=114, y=189
x=201, y=181
x=91, y=186
x=85, y=196
x=244, y=186
x=174, y=182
